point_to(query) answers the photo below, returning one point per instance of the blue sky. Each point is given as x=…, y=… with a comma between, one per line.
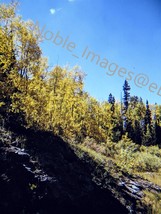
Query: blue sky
x=125, y=32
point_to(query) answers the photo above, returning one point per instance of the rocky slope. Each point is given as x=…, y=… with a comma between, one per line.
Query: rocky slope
x=39, y=173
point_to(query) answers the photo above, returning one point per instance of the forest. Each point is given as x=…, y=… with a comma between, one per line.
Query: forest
x=126, y=132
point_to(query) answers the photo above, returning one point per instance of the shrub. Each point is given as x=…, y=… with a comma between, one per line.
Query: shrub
x=110, y=148
x=126, y=144
x=145, y=161
x=88, y=142
x=154, y=150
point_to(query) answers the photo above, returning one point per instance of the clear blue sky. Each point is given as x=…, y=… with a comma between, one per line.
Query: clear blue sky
x=125, y=32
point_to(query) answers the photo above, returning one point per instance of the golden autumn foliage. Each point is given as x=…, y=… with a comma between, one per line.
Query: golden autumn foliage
x=55, y=99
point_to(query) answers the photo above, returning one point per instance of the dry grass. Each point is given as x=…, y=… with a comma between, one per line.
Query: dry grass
x=153, y=201
x=153, y=177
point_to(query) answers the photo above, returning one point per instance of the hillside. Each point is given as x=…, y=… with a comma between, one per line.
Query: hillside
x=60, y=148
x=40, y=173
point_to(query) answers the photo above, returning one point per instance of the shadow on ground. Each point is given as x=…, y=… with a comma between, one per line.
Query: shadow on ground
x=40, y=173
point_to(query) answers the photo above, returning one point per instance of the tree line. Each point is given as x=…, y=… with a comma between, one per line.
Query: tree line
x=55, y=100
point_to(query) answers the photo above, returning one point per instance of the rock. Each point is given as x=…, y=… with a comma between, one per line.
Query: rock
x=17, y=154
x=48, y=177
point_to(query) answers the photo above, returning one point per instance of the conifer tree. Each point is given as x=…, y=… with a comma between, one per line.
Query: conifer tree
x=148, y=119
x=111, y=100
x=126, y=97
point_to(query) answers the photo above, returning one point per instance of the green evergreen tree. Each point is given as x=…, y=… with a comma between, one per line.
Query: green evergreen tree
x=126, y=98
x=148, y=119
x=111, y=100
